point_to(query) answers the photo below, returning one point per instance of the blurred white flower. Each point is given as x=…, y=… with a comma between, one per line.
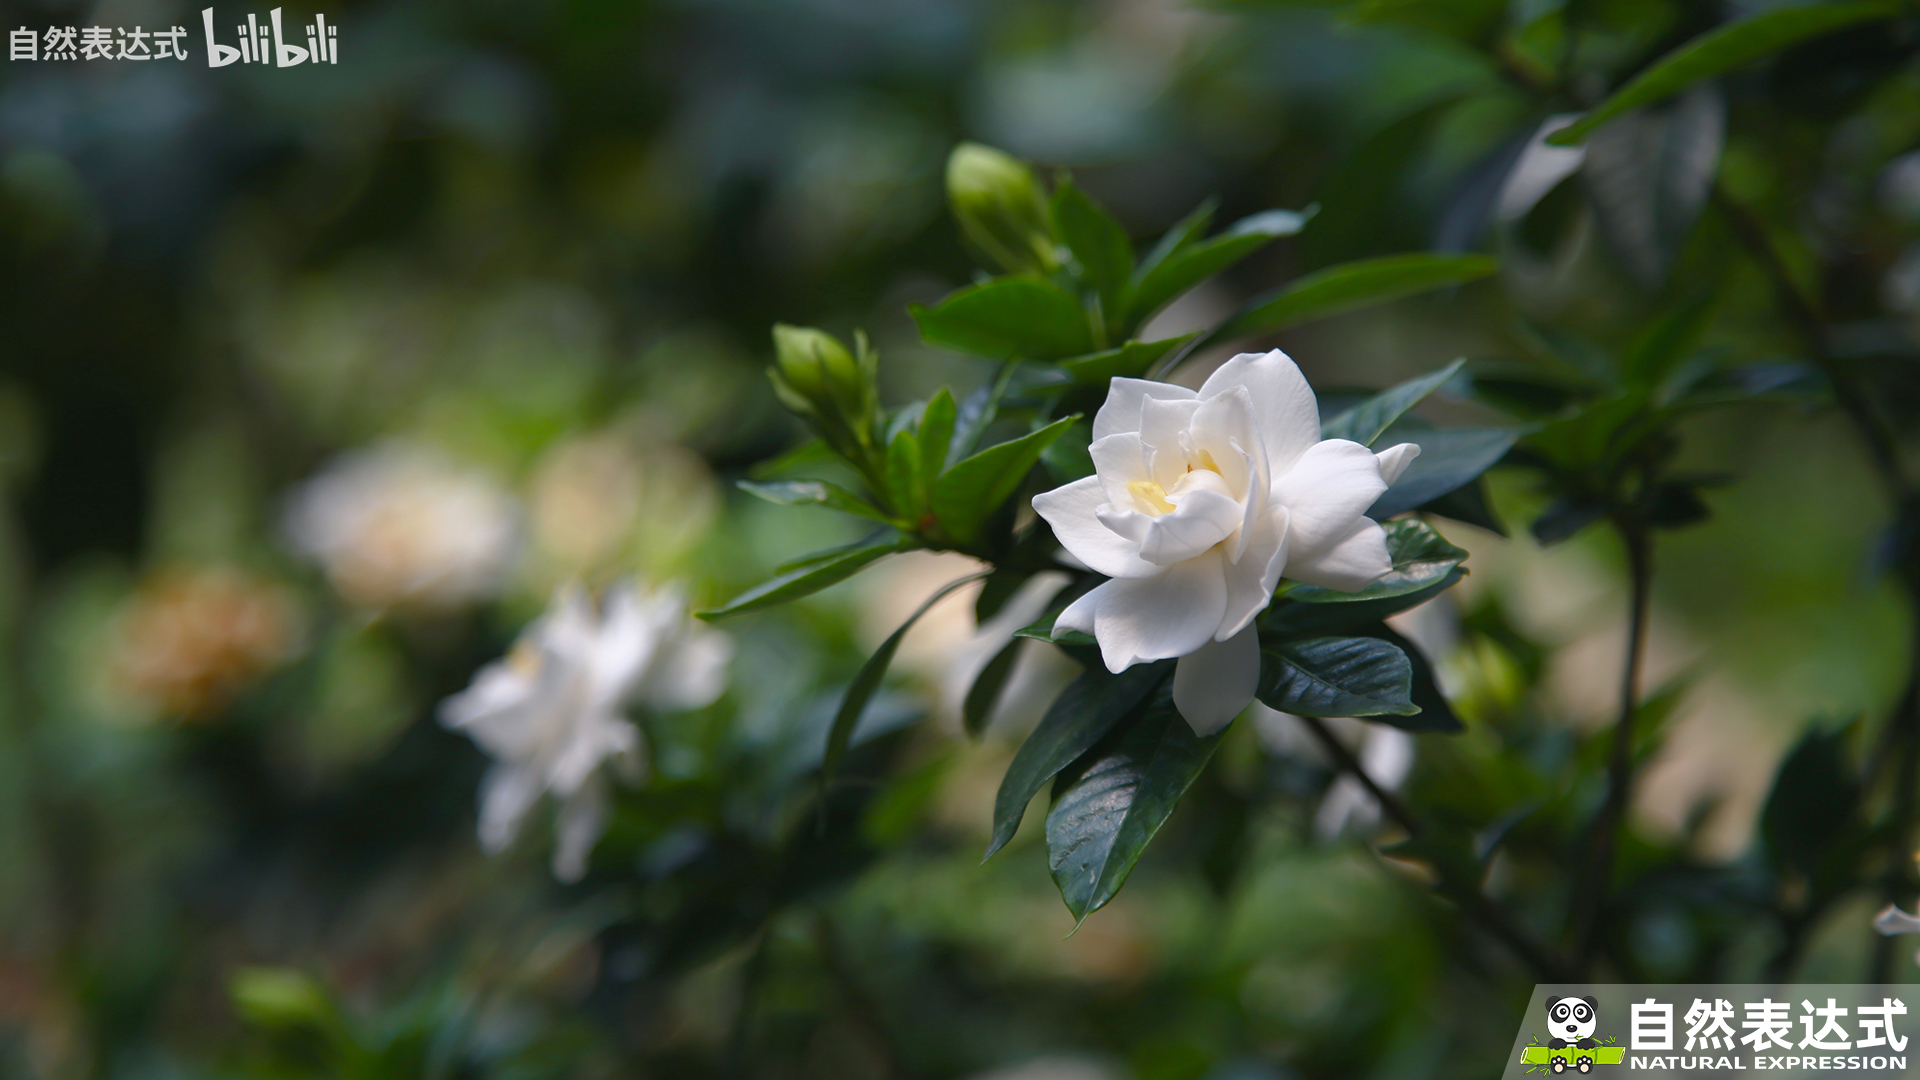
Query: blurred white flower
x=401, y=524
x=1893, y=921
x=1201, y=501
x=551, y=711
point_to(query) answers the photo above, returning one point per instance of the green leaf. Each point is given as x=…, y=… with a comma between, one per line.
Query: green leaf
x=971, y=489
x=984, y=694
x=1041, y=629
x=867, y=680
x=806, y=455
x=1185, y=233
x=1069, y=458
x=903, y=475
x=810, y=577
x=1813, y=802
x=1436, y=713
x=1020, y=315
x=935, y=438
x=1350, y=286
x=1336, y=676
x=1128, y=361
x=1083, y=714
x=1421, y=557
x=1159, y=283
x=977, y=411
x=1364, y=423
x=1102, y=254
x=812, y=492
x=996, y=591
x=1467, y=504
x=1647, y=177
x=1124, y=791
x=1666, y=340
x=1288, y=617
x=1719, y=51
x=1449, y=459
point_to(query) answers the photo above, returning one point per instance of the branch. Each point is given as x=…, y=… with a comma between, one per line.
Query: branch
x=1491, y=917
x=1606, y=827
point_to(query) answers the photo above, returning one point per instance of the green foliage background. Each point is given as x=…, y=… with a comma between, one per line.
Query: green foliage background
x=549, y=239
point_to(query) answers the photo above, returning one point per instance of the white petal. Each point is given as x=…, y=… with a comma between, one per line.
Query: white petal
x=1329, y=491
x=583, y=817
x=595, y=737
x=631, y=631
x=1395, y=459
x=1071, y=511
x=1222, y=428
x=1121, y=412
x=692, y=673
x=1200, y=519
x=1079, y=615
x=1285, y=411
x=1214, y=682
x=1160, y=617
x=506, y=794
x=1894, y=921
x=1162, y=423
x=1119, y=460
x=1358, y=560
x=1251, y=581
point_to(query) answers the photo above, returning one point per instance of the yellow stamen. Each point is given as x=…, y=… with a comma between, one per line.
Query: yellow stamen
x=1152, y=494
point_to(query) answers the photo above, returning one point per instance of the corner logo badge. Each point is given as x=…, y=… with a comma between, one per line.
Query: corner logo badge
x=1571, y=1022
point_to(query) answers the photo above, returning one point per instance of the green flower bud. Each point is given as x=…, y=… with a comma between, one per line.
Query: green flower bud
x=815, y=376
x=1000, y=208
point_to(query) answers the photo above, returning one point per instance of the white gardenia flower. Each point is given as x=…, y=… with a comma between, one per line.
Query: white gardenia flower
x=551, y=711
x=402, y=524
x=1200, y=503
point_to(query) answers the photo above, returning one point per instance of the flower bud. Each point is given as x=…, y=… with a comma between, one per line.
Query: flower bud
x=1000, y=208
x=815, y=376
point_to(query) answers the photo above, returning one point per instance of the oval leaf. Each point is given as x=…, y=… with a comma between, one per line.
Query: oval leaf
x=1018, y=315
x=1083, y=713
x=1166, y=279
x=1103, y=821
x=1449, y=459
x=1331, y=676
x=972, y=489
x=1364, y=423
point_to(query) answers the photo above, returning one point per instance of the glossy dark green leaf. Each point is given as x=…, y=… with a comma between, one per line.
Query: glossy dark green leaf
x=867, y=680
x=984, y=694
x=1565, y=518
x=1102, y=254
x=1069, y=458
x=1121, y=796
x=1719, y=51
x=1184, y=234
x=1469, y=505
x=1350, y=286
x=1128, y=361
x=1159, y=283
x=1293, y=618
x=811, y=577
x=996, y=591
x=814, y=492
x=1020, y=315
x=1364, y=423
x=973, y=488
x=1083, y=713
x=1436, y=715
x=1336, y=676
x=977, y=411
x=1421, y=558
x=1449, y=459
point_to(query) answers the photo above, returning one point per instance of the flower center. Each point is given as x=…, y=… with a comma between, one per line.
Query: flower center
x=1152, y=494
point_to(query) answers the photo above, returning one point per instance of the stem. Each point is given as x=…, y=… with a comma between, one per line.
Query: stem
x=1491, y=917
x=741, y=1038
x=1606, y=827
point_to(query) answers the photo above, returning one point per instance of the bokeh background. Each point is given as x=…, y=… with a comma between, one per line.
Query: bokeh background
x=315, y=383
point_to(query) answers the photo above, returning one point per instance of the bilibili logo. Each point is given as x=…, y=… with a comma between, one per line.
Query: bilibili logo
x=1571, y=1022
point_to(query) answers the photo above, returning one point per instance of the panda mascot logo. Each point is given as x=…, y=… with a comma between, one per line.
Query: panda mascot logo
x=1571, y=1020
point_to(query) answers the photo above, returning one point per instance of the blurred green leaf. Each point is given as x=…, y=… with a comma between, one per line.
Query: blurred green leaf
x=1083, y=713
x=1666, y=340
x=1350, y=286
x=1102, y=254
x=1647, y=176
x=815, y=492
x=1020, y=315
x=1719, y=51
x=1184, y=234
x=281, y=997
x=867, y=680
x=973, y=488
x=811, y=577
x=1364, y=423
x=1449, y=460
x=1813, y=802
x=1157, y=284
x=984, y=694
x=1112, y=807
x=1336, y=676
x=1069, y=458
x=1128, y=361
x=935, y=437
x=1436, y=715
x=903, y=475
x=1421, y=557
x=978, y=410
x=1467, y=504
